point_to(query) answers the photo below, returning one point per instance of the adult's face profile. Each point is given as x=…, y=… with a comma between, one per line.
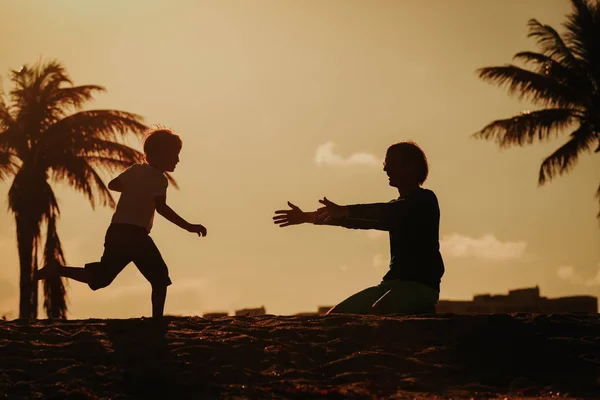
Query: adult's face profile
x=400, y=171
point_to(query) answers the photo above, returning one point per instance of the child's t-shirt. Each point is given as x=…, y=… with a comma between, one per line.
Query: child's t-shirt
x=142, y=183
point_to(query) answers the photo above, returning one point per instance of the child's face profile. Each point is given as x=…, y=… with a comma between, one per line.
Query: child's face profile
x=166, y=160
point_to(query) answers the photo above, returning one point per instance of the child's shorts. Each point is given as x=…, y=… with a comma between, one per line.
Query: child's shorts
x=123, y=244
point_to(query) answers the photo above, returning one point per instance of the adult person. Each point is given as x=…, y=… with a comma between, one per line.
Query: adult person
x=412, y=284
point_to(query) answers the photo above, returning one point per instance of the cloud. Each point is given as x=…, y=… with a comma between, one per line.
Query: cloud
x=326, y=156
x=568, y=273
x=487, y=247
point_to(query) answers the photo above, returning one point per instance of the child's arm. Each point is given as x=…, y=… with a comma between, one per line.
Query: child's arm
x=163, y=209
x=116, y=185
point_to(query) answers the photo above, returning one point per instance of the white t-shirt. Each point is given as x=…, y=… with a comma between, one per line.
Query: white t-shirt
x=142, y=183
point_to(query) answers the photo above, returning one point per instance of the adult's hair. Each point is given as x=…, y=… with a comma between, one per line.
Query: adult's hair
x=410, y=151
x=160, y=139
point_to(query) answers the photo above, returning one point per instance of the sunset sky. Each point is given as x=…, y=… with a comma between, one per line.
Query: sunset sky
x=295, y=100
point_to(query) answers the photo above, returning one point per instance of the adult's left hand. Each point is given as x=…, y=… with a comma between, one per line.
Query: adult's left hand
x=331, y=210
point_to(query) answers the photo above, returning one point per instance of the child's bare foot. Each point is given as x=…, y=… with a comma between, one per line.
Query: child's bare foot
x=50, y=270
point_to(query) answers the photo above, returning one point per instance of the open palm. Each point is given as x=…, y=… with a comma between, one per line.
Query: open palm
x=293, y=216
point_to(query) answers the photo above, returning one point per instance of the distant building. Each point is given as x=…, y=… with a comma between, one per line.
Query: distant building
x=251, y=312
x=215, y=315
x=526, y=300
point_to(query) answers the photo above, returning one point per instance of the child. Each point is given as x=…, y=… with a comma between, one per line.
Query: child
x=143, y=190
x=412, y=284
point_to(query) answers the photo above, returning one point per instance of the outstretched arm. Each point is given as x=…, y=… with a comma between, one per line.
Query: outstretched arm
x=295, y=216
x=163, y=209
x=334, y=214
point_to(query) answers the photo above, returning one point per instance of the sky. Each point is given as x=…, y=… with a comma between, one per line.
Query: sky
x=279, y=100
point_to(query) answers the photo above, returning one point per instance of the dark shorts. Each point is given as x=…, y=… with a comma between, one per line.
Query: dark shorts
x=123, y=244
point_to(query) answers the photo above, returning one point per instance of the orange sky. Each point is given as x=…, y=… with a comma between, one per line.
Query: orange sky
x=272, y=100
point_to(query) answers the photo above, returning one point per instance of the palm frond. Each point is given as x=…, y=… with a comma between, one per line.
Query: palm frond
x=8, y=164
x=531, y=86
x=544, y=65
x=41, y=98
x=565, y=157
x=102, y=124
x=86, y=146
x=528, y=127
x=55, y=296
x=80, y=175
x=552, y=44
x=113, y=165
x=63, y=99
x=109, y=164
x=29, y=82
x=583, y=30
x=14, y=142
x=6, y=119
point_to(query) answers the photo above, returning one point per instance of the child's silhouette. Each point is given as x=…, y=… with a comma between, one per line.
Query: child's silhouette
x=412, y=284
x=143, y=190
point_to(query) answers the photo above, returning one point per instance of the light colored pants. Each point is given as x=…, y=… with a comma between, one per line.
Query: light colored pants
x=390, y=297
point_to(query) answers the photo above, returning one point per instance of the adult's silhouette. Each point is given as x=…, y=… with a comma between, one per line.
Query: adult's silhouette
x=412, y=283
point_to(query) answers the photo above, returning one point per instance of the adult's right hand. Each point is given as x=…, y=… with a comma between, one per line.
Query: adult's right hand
x=293, y=216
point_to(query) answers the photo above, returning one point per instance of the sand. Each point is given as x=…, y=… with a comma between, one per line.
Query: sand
x=303, y=357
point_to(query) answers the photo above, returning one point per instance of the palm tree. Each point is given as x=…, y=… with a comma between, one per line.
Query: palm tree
x=46, y=137
x=564, y=81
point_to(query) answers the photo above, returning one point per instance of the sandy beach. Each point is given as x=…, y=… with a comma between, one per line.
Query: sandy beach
x=281, y=357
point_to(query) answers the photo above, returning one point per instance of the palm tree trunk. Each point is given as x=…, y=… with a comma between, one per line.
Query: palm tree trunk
x=25, y=244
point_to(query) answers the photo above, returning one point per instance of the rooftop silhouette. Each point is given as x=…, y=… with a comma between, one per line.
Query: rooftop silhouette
x=527, y=300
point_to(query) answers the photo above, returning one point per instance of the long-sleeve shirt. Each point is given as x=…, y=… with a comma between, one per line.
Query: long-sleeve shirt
x=413, y=225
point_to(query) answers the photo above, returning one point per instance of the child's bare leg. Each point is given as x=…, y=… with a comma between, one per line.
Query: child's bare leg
x=78, y=274
x=159, y=296
x=54, y=269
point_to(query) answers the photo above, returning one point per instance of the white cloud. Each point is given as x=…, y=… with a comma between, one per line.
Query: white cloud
x=487, y=247
x=326, y=156
x=568, y=273
x=380, y=261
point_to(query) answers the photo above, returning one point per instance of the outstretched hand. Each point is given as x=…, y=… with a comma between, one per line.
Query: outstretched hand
x=331, y=210
x=293, y=216
x=199, y=229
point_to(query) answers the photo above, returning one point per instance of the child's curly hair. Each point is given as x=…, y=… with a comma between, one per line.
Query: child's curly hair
x=159, y=139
